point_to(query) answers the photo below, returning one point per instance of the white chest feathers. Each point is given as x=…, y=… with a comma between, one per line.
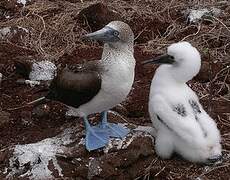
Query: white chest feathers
x=117, y=79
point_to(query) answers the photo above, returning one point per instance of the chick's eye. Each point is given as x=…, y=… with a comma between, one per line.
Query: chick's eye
x=115, y=33
x=171, y=57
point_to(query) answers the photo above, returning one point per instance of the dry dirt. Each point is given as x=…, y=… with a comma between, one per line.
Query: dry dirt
x=52, y=29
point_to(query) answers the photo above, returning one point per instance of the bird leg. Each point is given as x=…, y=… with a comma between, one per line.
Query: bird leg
x=114, y=130
x=94, y=139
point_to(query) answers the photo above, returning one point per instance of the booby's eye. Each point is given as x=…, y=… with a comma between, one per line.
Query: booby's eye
x=171, y=57
x=116, y=33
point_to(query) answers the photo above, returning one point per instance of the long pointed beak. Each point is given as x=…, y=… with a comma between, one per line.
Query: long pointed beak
x=105, y=34
x=164, y=59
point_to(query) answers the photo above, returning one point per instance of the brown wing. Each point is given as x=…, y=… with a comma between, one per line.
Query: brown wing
x=76, y=85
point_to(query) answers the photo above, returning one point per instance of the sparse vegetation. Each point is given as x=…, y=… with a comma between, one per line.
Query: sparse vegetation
x=52, y=29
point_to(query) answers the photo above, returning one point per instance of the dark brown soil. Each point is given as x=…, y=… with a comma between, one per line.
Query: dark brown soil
x=155, y=24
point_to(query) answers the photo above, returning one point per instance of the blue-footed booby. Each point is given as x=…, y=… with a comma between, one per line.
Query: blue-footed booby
x=97, y=86
x=181, y=123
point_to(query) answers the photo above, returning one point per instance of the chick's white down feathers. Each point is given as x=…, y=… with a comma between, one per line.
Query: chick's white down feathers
x=182, y=124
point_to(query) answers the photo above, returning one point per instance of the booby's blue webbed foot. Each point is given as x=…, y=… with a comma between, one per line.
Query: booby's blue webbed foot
x=94, y=138
x=114, y=130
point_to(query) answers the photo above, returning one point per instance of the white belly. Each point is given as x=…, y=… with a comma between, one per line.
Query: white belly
x=116, y=85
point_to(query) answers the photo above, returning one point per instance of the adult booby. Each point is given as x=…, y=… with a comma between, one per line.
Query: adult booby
x=182, y=124
x=97, y=86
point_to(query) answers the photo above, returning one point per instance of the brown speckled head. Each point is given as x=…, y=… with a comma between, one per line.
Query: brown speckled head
x=125, y=32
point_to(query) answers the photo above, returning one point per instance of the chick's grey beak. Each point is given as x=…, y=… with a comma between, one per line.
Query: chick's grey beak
x=164, y=59
x=105, y=34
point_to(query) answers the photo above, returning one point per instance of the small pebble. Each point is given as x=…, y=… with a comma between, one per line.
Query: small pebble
x=41, y=110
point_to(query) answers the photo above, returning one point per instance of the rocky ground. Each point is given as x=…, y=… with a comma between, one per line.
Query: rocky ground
x=44, y=143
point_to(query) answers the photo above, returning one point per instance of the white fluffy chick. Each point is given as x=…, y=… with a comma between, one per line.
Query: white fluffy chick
x=182, y=125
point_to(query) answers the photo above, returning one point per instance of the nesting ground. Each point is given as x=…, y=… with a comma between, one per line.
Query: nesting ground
x=52, y=29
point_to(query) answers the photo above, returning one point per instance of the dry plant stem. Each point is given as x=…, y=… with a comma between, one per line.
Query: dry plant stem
x=219, y=73
x=221, y=23
x=139, y=34
x=160, y=171
x=191, y=35
x=23, y=47
x=213, y=169
x=16, y=108
x=40, y=35
x=117, y=114
x=223, y=83
x=211, y=92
